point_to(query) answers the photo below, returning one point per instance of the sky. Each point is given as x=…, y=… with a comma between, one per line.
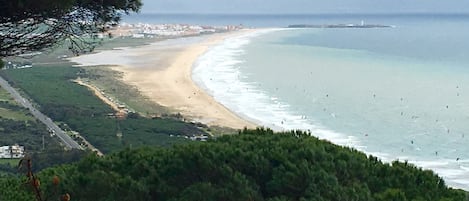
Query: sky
x=305, y=6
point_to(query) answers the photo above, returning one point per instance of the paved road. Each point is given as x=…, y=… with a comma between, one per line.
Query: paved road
x=66, y=139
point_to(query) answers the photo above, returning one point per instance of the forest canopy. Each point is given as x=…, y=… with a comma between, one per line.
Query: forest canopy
x=254, y=165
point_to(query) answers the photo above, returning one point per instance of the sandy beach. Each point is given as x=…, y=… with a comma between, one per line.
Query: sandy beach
x=162, y=72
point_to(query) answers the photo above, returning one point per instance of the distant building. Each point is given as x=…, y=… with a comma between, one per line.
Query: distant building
x=14, y=151
x=138, y=36
x=17, y=65
x=202, y=138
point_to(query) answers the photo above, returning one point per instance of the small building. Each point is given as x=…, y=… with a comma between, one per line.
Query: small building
x=138, y=36
x=202, y=138
x=14, y=151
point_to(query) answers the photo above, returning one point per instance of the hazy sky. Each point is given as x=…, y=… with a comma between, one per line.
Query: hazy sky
x=304, y=6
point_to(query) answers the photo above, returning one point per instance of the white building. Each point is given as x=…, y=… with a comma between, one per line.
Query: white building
x=138, y=36
x=14, y=151
x=202, y=138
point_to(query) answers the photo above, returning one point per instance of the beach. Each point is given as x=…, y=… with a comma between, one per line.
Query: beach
x=162, y=72
x=370, y=89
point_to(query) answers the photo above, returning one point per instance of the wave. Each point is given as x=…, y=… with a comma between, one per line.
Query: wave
x=218, y=72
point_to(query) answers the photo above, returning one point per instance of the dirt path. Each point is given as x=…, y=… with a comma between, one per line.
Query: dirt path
x=99, y=94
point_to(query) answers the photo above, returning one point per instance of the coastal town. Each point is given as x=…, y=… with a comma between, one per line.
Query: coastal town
x=145, y=30
x=134, y=31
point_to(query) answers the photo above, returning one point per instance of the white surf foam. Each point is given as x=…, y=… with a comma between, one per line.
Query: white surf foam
x=218, y=72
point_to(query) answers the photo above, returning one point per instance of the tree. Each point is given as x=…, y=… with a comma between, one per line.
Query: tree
x=254, y=165
x=28, y=26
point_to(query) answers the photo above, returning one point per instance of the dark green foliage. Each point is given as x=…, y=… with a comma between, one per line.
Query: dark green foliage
x=28, y=134
x=63, y=100
x=51, y=158
x=13, y=189
x=14, y=10
x=54, y=21
x=10, y=106
x=53, y=87
x=254, y=165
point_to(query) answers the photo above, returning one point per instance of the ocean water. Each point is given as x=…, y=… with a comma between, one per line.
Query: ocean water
x=399, y=93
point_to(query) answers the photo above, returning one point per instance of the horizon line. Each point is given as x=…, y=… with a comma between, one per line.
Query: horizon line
x=298, y=14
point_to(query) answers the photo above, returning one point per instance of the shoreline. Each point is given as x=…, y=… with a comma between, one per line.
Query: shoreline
x=162, y=71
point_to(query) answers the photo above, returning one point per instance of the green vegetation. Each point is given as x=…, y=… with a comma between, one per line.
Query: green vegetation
x=26, y=133
x=14, y=189
x=254, y=165
x=53, y=89
x=19, y=18
x=17, y=126
x=110, y=82
x=11, y=162
x=5, y=96
x=127, y=42
x=60, y=52
x=14, y=112
x=11, y=110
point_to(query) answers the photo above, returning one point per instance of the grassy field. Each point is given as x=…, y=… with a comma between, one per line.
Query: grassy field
x=50, y=88
x=15, y=115
x=125, y=42
x=18, y=126
x=109, y=81
x=5, y=96
x=10, y=109
x=11, y=162
x=58, y=53
x=59, y=97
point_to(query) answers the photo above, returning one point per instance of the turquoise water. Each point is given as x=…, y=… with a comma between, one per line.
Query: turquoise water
x=398, y=93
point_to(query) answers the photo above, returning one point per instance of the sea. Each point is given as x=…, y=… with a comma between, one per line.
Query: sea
x=399, y=93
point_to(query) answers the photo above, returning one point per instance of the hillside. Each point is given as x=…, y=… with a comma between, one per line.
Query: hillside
x=254, y=165
x=75, y=107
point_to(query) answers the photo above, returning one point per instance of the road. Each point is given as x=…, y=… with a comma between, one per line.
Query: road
x=66, y=139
